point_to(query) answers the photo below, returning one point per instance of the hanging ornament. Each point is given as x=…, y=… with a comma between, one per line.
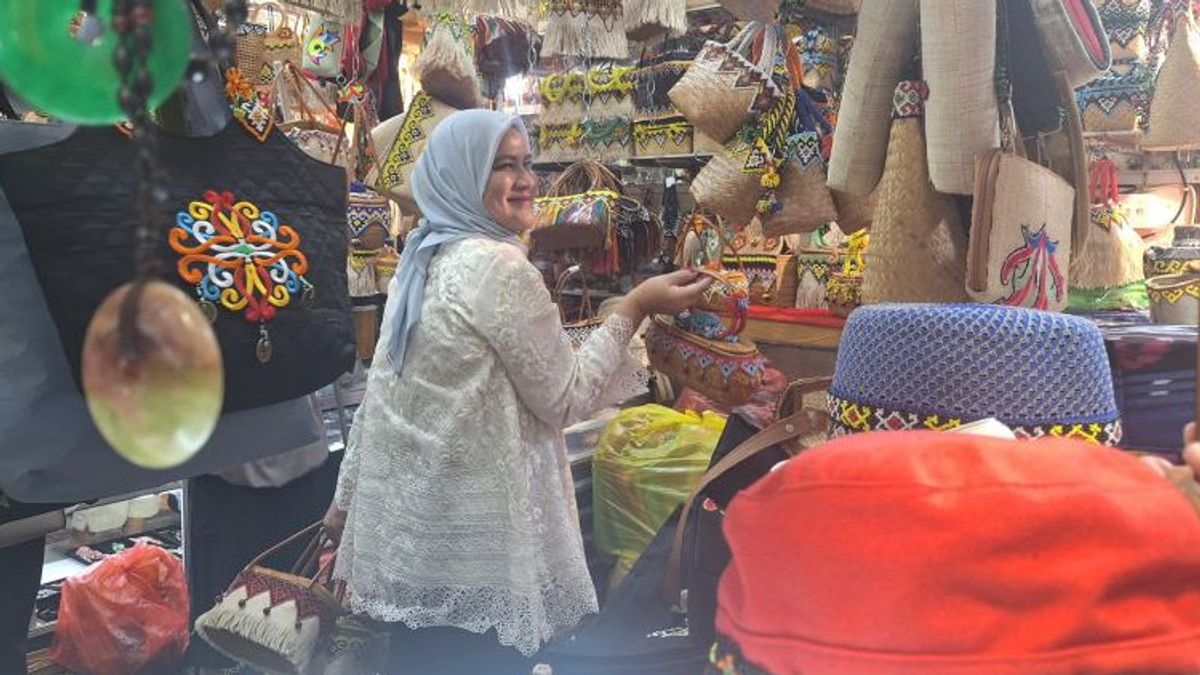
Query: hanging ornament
x=152, y=370
x=58, y=55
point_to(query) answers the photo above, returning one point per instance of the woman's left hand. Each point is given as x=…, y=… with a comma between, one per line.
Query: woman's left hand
x=1182, y=477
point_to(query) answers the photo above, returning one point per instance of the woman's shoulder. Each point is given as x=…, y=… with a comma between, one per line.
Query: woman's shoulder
x=487, y=256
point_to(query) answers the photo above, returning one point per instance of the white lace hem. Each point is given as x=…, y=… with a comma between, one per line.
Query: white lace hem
x=523, y=621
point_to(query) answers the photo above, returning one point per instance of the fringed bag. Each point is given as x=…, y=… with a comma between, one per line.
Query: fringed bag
x=1107, y=271
x=593, y=29
x=723, y=89
x=402, y=139
x=446, y=67
x=609, y=91
x=918, y=244
x=886, y=43
x=578, y=212
x=805, y=200
x=648, y=19
x=607, y=140
x=815, y=262
x=273, y=620
x=564, y=98
x=663, y=138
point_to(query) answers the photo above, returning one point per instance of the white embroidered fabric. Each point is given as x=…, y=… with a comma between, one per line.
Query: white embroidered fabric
x=461, y=507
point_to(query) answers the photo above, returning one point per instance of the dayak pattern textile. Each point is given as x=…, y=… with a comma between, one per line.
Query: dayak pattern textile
x=940, y=366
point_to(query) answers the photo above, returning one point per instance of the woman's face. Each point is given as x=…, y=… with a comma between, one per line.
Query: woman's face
x=512, y=185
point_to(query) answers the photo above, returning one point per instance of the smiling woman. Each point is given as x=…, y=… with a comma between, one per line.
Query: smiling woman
x=455, y=505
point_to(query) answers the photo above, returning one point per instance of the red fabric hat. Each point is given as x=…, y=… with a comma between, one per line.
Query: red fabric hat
x=926, y=552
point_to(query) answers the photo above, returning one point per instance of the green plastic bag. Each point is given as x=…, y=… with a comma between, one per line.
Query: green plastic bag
x=648, y=460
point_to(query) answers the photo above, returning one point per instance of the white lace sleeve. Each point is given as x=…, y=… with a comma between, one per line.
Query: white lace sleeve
x=348, y=472
x=515, y=313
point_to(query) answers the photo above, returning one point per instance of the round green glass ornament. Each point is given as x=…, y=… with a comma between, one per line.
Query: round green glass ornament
x=75, y=79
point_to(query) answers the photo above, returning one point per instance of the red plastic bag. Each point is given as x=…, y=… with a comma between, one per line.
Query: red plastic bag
x=127, y=615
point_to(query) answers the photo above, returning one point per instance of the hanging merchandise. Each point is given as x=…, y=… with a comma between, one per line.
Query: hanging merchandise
x=1073, y=36
x=76, y=80
x=1127, y=23
x=305, y=604
x=350, y=11
x=504, y=47
x=277, y=300
x=559, y=142
x=324, y=46
x=1119, y=100
x=369, y=217
x=1106, y=272
x=251, y=105
x=282, y=44
x=563, y=97
x=321, y=134
x=609, y=89
x=1021, y=222
x=649, y=19
x=578, y=214
x=654, y=81
x=918, y=244
x=819, y=53
x=805, y=200
x=723, y=89
x=844, y=288
x=404, y=138
x=663, y=138
x=958, y=58
x=752, y=10
x=886, y=42
x=1174, y=115
x=855, y=212
x=446, y=67
x=250, y=47
x=593, y=29
x=609, y=140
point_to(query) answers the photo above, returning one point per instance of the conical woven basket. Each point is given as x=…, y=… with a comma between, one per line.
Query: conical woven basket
x=1111, y=256
x=918, y=249
x=806, y=200
x=1174, y=113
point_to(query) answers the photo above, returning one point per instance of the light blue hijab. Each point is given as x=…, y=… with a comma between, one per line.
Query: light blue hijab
x=448, y=183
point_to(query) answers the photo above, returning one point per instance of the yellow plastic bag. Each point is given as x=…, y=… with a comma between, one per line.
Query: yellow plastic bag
x=647, y=462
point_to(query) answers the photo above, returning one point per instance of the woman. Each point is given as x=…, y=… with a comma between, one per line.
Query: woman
x=455, y=505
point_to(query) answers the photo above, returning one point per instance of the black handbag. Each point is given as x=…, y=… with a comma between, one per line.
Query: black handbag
x=256, y=232
x=744, y=454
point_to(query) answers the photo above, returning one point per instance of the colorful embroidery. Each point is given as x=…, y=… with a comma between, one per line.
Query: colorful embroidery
x=251, y=108
x=241, y=258
x=850, y=417
x=909, y=99
x=649, y=134
x=411, y=133
x=321, y=44
x=1032, y=273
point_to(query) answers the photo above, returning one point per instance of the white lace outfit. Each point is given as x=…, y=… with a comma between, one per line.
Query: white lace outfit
x=461, y=507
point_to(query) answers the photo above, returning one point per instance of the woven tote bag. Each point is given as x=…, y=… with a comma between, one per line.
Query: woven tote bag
x=805, y=200
x=1174, y=113
x=723, y=89
x=958, y=54
x=918, y=247
x=1021, y=231
x=887, y=42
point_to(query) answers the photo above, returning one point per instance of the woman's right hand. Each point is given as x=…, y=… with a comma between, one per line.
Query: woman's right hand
x=670, y=293
x=334, y=522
